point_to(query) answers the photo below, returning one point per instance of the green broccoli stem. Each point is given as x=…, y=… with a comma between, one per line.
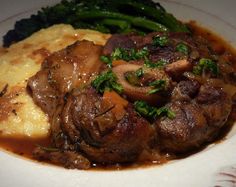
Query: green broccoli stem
x=136, y=21
x=123, y=25
x=101, y=28
x=159, y=15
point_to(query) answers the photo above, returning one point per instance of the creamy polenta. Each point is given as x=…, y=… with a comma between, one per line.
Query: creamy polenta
x=19, y=116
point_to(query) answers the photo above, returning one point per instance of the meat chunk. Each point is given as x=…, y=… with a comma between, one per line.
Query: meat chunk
x=142, y=41
x=196, y=122
x=166, y=53
x=186, y=131
x=72, y=67
x=216, y=105
x=43, y=94
x=118, y=41
x=185, y=91
x=101, y=136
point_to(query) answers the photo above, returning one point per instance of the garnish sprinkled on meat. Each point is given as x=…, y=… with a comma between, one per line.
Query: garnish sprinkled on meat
x=133, y=100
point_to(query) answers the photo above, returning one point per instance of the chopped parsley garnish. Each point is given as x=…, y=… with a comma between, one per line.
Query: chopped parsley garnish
x=158, y=86
x=151, y=112
x=125, y=54
x=107, y=81
x=119, y=53
x=145, y=110
x=139, y=73
x=106, y=60
x=164, y=111
x=206, y=64
x=141, y=53
x=159, y=64
x=149, y=64
x=160, y=41
x=129, y=54
x=183, y=48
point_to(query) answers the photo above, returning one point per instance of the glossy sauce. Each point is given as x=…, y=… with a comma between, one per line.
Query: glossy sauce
x=25, y=146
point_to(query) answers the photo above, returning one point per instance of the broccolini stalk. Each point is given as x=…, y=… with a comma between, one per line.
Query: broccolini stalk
x=105, y=16
x=123, y=25
x=158, y=15
x=136, y=21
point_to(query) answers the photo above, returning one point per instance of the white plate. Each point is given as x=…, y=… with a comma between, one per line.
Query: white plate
x=214, y=166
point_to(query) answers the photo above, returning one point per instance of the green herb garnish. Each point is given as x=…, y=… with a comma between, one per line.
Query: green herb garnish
x=129, y=54
x=139, y=73
x=160, y=41
x=125, y=54
x=145, y=110
x=107, y=81
x=183, y=48
x=164, y=111
x=206, y=64
x=119, y=53
x=151, y=112
x=159, y=64
x=158, y=86
x=106, y=60
x=140, y=54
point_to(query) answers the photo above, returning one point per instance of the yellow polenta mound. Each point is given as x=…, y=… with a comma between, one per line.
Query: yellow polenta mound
x=19, y=116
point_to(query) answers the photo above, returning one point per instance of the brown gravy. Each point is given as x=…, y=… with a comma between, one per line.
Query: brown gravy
x=25, y=146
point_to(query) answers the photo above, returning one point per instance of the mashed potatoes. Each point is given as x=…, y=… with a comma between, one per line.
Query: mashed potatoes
x=19, y=116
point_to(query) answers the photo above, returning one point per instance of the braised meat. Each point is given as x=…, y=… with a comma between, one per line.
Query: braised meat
x=43, y=94
x=104, y=138
x=62, y=71
x=185, y=90
x=118, y=41
x=216, y=105
x=186, y=131
x=161, y=46
x=197, y=120
x=133, y=100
